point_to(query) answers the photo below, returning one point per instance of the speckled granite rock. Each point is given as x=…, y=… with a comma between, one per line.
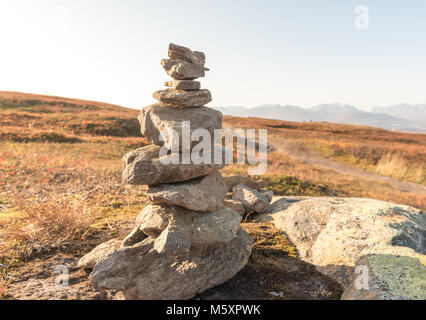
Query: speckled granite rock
x=388, y=277
x=334, y=233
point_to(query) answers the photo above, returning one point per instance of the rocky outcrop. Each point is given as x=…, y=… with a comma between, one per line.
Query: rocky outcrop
x=186, y=241
x=183, y=84
x=97, y=254
x=183, y=98
x=183, y=70
x=334, y=233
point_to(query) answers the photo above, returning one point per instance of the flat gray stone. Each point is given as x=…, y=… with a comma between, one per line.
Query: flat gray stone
x=182, y=98
x=388, y=277
x=144, y=166
x=183, y=84
x=162, y=124
x=183, y=70
x=334, y=233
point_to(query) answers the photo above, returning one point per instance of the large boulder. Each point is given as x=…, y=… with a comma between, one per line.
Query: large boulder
x=160, y=123
x=183, y=70
x=387, y=277
x=252, y=200
x=145, y=166
x=140, y=272
x=89, y=260
x=334, y=233
x=177, y=229
x=182, y=98
x=200, y=194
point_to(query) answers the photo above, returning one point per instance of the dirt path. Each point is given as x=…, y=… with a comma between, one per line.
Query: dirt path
x=293, y=151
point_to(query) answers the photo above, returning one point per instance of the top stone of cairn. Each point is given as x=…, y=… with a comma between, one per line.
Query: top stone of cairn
x=182, y=53
x=184, y=64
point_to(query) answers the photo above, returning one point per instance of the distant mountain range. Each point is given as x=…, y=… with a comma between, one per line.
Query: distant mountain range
x=403, y=117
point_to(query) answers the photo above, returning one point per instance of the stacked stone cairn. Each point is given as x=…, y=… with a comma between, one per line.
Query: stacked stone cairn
x=186, y=240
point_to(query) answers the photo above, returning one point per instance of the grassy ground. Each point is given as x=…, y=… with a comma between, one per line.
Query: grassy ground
x=372, y=149
x=60, y=169
x=395, y=154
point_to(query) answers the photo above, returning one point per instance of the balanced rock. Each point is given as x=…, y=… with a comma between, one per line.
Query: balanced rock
x=140, y=272
x=183, y=53
x=162, y=124
x=177, y=229
x=186, y=240
x=183, y=70
x=183, y=84
x=252, y=200
x=388, y=277
x=232, y=181
x=200, y=194
x=145, y=166
x=183, y=98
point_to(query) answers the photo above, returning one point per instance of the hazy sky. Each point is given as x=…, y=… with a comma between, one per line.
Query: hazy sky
x=295, y=52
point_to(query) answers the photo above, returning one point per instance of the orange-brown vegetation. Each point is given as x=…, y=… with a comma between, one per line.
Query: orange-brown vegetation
x=60, y=168
x=394, y=154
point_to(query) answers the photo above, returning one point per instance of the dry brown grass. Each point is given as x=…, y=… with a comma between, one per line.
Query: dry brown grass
x=60, y=172
x=54, y=195
x=395, y=165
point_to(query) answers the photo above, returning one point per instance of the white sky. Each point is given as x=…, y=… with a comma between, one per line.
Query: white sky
x=278, y=52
